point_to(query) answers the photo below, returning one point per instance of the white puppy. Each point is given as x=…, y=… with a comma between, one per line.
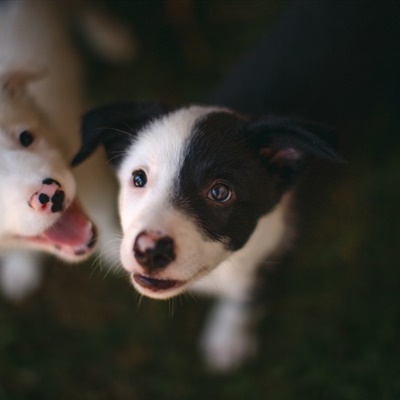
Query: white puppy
x=40, y=109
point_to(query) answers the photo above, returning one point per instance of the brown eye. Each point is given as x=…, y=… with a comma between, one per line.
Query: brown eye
x=220, y=193
x=139, y=178
x=26, y=138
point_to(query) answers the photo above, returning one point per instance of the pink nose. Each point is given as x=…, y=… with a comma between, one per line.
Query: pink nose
x=49, y=198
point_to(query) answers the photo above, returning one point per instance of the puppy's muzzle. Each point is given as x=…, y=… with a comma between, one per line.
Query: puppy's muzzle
x=153, y=250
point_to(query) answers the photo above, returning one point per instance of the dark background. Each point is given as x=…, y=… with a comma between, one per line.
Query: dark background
x=333, y=318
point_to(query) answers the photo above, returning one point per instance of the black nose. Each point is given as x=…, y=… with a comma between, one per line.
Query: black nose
x=153, y=250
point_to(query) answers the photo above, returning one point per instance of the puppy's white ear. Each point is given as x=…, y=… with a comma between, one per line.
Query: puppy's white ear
x=284, y=144
x=114, y=126
x=14, y=81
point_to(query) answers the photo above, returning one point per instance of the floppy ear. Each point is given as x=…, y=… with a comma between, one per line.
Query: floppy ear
x=114, y=126
x=284, y=145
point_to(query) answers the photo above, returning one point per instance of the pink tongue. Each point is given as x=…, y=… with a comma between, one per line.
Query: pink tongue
x=72, y=229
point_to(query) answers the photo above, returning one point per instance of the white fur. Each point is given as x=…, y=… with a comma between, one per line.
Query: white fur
x=228, y=338
x=40, y=76
x=20, y=273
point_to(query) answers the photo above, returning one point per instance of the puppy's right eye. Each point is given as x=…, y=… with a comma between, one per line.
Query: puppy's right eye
x=26, y=138
x=139, y=178
x=220, y=193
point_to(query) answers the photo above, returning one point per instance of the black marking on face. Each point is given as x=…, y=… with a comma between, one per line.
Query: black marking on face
x=256, y=161
x=216, y=152
x=50, y=181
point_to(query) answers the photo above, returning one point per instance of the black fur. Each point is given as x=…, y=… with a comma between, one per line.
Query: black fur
x=330, y=61
x=229, y=148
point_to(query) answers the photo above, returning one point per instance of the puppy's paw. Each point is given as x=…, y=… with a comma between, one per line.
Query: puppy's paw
x=20, y=276
x=225, y=351
x=228, y=339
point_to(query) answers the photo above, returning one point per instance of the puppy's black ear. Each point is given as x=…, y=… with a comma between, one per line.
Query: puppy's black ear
x=284, y=144
x=114, y=126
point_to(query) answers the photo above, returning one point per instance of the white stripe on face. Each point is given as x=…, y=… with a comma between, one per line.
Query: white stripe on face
x=158, y=151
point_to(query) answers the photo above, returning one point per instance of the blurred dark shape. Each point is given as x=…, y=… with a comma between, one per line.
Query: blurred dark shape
x=324, y=60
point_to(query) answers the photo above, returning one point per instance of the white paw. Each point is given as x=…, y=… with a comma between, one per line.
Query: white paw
x=228, y=339
x=227, y=351
x=20, y=276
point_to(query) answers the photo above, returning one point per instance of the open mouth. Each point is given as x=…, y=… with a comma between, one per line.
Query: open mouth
x=73, y=236
x=156, y=285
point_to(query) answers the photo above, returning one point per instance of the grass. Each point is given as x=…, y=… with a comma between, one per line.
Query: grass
x=333, y=323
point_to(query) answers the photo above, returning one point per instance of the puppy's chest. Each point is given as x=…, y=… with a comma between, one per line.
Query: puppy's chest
x=230, y=279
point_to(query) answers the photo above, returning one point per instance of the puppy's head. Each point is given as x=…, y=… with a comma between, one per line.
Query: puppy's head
x=37, y=189
x=194, y=183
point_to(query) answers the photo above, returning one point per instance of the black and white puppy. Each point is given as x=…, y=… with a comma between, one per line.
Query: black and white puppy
x=205, y=198
x=206, y=192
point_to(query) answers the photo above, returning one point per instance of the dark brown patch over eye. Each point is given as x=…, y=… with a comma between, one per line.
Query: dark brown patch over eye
x=220, y=193
x=26, y=138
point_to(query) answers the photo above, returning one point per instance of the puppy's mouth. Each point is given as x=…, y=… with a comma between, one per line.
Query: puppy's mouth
x=72, y=237
x=156, y=285
x=163, y=288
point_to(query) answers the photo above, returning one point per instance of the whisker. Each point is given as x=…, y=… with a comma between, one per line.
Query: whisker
x=115, y=130
x=191, y=294
x=139, y=303
x=117, y=154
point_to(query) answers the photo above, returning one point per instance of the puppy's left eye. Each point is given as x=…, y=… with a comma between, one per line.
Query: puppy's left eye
x=139, y=178
x=220, y=193
x=26, y=138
